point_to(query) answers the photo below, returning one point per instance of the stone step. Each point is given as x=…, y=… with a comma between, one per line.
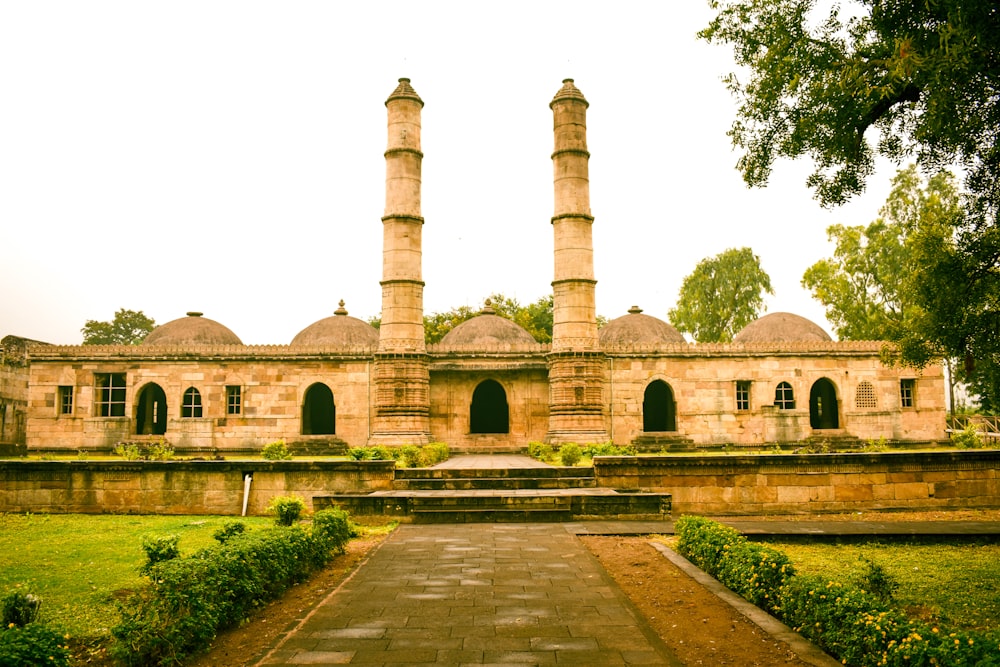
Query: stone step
x=503, y=505
x=494, y=473
x=470, y=483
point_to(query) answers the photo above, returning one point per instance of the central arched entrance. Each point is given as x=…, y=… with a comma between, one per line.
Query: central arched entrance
x=319, y=414
x=823, y=405
x=151, y=410
x=658, y=410
x=489, y=412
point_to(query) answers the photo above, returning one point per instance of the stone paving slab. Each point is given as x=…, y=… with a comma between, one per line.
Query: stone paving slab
x=475, y=594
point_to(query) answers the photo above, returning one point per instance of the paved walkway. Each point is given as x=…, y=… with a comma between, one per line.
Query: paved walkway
x=475, y=594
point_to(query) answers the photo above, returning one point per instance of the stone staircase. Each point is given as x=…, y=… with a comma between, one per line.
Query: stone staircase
x=450, y=495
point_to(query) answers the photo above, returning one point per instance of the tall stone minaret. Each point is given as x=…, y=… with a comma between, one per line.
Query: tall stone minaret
x=401, y=376
x=577, y=367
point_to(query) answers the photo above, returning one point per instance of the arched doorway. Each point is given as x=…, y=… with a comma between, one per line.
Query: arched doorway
x=319, y=414
x=489, y=412
x=658, y=410
x=151, y=410
x=823, y=405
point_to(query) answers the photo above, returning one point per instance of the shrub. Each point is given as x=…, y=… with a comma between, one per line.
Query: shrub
x=540, y=451
x=380, y=453
x=333, y=528
x=357, y=453
x=409, y=456
x=873, y=445
x=159, y=451
x=287, y=509
x=570, y=454
x=19, y=609
x=967, y=438
x=159, y=549
x=33, y=644
x=229, y=530
x=190, y=599
x=434, y=453
x=128, y=450
x=877, y=581
x=276, y=451
x=703, y=542
x=609, y=449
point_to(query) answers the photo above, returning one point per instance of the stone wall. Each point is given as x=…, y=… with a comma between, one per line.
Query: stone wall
x=813, y=483
x=177, y=487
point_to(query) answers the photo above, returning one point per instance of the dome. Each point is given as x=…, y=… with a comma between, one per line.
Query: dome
x=638, y=328
x=487, y=330
x=192, y=330
x=338, y=330
x=782, y=328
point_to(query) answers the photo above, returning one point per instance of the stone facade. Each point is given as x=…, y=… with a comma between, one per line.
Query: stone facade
x=487, y=386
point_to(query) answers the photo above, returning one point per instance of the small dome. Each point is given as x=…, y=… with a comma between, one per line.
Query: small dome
x=192, y=330
x=339, y=330
x=487, y=330
x=782, y=328
x=638, y=328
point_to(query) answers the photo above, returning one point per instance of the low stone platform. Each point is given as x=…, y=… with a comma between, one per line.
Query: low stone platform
x=495, y=488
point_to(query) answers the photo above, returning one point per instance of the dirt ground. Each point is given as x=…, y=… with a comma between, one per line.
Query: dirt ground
x=698, y=627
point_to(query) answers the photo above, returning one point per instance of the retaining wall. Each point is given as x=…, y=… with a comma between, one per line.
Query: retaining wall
x=813, y=483
x=177, y=487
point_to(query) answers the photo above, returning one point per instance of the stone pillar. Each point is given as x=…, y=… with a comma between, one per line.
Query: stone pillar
x=401, y=376
x=577, y=366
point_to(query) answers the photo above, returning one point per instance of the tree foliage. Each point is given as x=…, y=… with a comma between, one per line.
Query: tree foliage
x=721, y=296
x=923, y=75
x=869, y=286
x=129, y=327
x=891, y=78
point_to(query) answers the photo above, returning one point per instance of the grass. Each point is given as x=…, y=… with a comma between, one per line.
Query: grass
x=77, y=564
x=956, y=583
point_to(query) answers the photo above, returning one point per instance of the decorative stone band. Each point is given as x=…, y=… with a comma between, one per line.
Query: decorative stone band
x=412, y=151
x=563, y=216
x=582, y=152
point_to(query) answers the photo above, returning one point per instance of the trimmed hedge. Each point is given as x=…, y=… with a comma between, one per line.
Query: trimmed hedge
x=32, y=644
x=854, y=626
x=190, y=599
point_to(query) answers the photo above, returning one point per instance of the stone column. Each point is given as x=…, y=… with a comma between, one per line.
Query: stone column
x=577, y=366
x=401, y=376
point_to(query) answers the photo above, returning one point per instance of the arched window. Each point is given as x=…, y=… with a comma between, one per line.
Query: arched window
x=823, y=405
x=784, y=396
x=151, y=411
x=319, y=414
x=191, y=403
x=658, y=410
x=489, y=412
x=864, y=397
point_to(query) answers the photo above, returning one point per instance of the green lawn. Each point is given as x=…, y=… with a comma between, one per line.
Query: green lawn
x=955, y=583
x=76, y=563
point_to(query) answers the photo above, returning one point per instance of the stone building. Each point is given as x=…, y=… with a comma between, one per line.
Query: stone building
x=488, y=385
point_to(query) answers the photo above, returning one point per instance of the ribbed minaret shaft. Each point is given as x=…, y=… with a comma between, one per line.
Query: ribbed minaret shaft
x=401, y=371
x=577, y=367
x=402, y=328
x=574, y=324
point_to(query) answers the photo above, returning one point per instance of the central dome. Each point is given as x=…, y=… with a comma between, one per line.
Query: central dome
x=338, y=330
x=636, y=328
x=192, y=330
x=782, y=328
x=487, y=330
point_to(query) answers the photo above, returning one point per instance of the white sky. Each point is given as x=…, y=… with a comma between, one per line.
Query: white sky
x=227, y=157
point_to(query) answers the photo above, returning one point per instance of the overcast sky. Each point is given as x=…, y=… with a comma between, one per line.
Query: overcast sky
x=227, y=157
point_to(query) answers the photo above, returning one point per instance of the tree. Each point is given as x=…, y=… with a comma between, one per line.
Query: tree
x=721, y=296
x=129, y=327
x=899, y=79
x=869, y=286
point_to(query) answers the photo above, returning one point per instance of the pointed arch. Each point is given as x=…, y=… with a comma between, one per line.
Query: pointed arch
x=823, y=408
x=319, y=413
x=659, y=412
x=489, y=411
x=151, y=410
